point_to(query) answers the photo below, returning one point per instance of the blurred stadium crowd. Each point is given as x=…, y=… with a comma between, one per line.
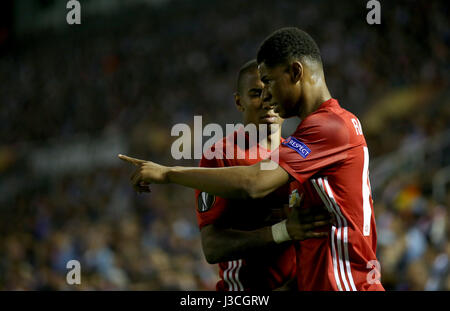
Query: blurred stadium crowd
x=133, y=75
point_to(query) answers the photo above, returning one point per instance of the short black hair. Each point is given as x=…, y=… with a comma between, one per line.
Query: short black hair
x=251, y=65
x=285, y=44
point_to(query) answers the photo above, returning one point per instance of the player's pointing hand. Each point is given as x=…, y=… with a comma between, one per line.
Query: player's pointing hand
x=146, y=173
x=131, y=160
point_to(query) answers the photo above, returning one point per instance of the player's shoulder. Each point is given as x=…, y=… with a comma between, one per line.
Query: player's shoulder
x=324, y=124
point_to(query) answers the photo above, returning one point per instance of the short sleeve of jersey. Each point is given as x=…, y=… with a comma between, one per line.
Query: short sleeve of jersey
x=320, y=142
x=209, y=208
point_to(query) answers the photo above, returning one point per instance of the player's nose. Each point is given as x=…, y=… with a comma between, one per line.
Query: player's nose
x=266, y=99
x=266, y=95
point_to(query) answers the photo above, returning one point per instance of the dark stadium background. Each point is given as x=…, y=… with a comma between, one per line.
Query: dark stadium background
x=72, y=97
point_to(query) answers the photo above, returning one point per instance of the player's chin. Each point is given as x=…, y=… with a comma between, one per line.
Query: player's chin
x=283, y=115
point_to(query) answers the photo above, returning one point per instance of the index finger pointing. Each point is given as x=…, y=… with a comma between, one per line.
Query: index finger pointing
x=131, y=160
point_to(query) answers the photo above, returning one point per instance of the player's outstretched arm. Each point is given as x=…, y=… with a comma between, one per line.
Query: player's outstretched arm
x=228, y=182
x=223, y=244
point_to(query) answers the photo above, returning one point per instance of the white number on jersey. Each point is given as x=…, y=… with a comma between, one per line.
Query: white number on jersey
x=366, y=193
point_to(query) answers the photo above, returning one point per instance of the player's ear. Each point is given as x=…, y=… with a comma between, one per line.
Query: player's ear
x=296, y=71
x=238, y=103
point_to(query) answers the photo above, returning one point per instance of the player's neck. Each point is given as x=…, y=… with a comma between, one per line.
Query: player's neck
x=316, y=97
x=322, y=97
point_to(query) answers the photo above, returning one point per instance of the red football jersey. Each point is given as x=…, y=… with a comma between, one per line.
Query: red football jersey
x=264, y=270
x=328, y=157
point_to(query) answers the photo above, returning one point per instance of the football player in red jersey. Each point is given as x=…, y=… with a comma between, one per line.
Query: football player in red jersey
x=326, y=158
x=227, y=225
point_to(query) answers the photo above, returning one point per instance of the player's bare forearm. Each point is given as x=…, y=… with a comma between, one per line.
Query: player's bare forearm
x=235, y=182
x=226, y=182
x=221, y=245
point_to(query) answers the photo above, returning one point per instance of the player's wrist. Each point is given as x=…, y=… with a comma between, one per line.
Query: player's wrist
x=170, y=173
x=280, y=233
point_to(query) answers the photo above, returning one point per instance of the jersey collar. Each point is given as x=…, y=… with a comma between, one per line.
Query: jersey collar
x=329, y=103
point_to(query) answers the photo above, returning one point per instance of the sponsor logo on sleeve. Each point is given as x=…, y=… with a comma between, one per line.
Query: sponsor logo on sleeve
x=205, y=201
x=298, y=146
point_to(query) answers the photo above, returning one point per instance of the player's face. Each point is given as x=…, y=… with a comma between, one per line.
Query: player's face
x=254, y=109
x=280, y=90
